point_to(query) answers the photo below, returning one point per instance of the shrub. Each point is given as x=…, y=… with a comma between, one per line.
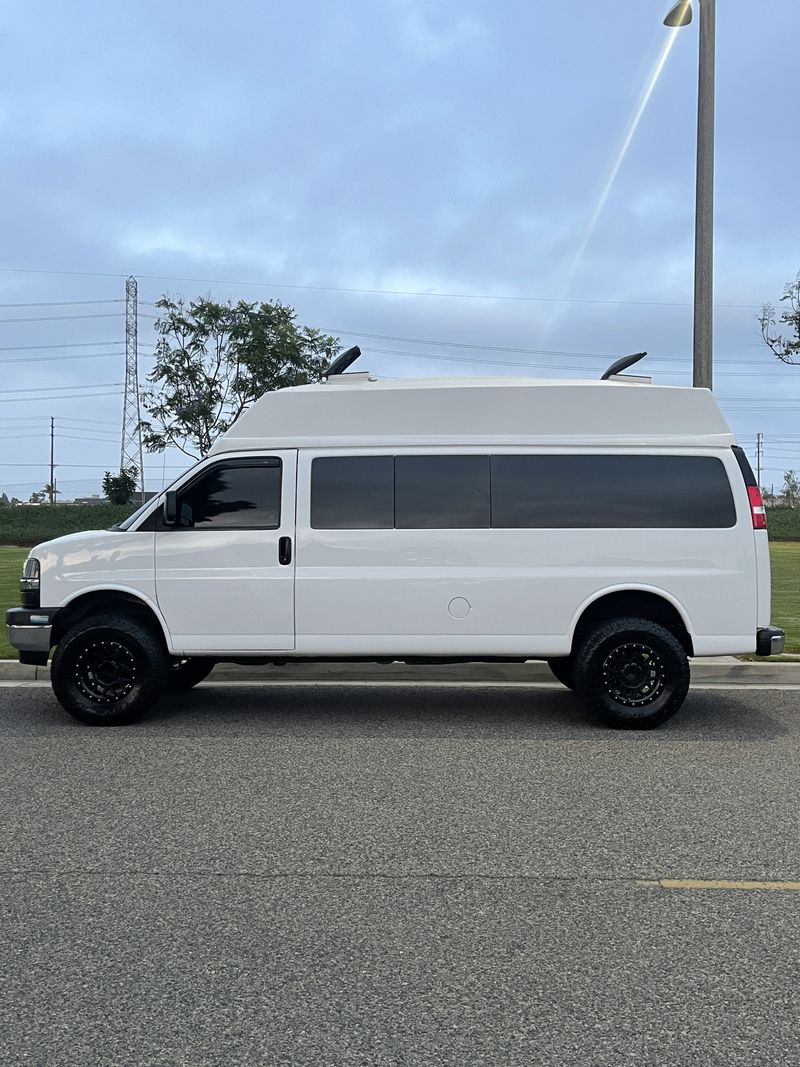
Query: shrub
x=28, y=526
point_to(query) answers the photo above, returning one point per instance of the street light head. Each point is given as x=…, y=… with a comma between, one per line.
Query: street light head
x=680, y=14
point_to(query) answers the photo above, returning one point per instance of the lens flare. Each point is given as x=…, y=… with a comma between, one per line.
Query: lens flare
x=630, y=133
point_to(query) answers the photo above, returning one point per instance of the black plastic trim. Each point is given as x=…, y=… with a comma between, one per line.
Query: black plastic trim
x=744, y=465
x=22, y=616
x=34, y=659
x=765, y=639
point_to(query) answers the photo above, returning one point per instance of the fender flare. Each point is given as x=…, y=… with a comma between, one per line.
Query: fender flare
x=610, y=590
x=130, y=592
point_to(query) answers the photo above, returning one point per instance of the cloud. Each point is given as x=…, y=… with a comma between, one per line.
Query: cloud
x=432, y=34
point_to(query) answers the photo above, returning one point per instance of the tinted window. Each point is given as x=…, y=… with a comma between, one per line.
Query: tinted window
x=352, y=493
x=441, y=492
x=583, y=492
x=233, y=496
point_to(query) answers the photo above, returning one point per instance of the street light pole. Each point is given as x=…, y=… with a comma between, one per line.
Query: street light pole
x=703, y=345
x=704, y=217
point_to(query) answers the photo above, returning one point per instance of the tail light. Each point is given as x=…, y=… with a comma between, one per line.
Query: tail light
x=757, y=509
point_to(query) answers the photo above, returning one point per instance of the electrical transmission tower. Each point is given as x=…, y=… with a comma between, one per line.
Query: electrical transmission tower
x=131, y=452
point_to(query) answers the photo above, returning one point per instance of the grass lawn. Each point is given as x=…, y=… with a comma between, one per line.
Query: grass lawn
x=11, y=560
x=785, y=590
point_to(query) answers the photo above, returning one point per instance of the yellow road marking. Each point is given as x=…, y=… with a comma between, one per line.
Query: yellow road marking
x=716, y=883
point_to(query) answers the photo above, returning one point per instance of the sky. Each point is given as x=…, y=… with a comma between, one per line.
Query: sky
x=422, y=178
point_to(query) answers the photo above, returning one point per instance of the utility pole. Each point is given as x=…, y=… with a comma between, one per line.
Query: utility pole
x=131, y=450
x=759, y=453
x=52, y=463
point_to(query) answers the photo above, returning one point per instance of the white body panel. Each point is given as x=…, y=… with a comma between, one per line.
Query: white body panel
x=763, y=578
x=225, y=590
x=433, y=592
x=99, y=559
x=518, y=592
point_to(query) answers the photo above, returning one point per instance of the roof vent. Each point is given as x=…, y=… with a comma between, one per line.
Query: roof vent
x=343, y=361
x=615, y=370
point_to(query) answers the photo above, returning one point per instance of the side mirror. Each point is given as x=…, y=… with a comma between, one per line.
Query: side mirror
x=169, y=510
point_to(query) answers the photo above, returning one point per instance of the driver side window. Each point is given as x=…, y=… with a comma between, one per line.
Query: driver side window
x=233, y=495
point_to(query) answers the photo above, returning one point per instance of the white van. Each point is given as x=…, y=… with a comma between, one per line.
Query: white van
x=613, y=529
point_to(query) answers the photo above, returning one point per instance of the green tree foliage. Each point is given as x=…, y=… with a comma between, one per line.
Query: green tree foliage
x=121, y=488
x=786, y=347
x=791, y=489
x=38, y=497
x=213, y=360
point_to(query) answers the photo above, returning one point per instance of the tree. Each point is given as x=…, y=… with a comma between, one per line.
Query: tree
x=213, y=360
x=38, y=497
x=120, y=488
x=51, y=492
x=791, y=489
x=4, y=501
x=787, y=348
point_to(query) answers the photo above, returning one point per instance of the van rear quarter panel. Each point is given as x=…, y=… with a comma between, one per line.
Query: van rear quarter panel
x=393, y=591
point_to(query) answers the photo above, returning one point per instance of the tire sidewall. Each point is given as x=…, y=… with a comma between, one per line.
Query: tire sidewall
x=150, y=661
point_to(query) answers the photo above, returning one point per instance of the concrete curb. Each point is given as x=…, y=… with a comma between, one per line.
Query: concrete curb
x=722, y=670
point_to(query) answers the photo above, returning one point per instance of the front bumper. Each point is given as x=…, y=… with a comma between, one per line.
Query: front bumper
x=770, y=641
x=29, y=631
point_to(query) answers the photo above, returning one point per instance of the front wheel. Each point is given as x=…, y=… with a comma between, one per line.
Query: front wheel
x=108, y=671
x=633, y=672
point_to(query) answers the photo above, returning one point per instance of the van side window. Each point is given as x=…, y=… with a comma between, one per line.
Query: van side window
x=534, y=492
x=441, y=492
x=352, y=493
x=617, y=492
x=233, y=496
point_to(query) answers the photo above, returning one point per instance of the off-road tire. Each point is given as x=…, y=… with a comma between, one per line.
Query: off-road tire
x=185, y=674
x=563, y=668
x=109, y=670
x=632, y=672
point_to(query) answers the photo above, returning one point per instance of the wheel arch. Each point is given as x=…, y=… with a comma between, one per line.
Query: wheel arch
x=647, y=602
x=108, y=599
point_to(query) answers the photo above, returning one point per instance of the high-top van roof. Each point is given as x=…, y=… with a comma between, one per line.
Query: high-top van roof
x=357, y=409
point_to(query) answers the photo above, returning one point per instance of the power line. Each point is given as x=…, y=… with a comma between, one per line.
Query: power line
x=374, y=292
x=59, y=303
x=62, y=396
x=58, y=359
x=65, y=318
x=72, y=344
x=61, y=388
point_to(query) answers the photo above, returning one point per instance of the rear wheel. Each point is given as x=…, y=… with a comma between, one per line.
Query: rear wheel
x=108, y=671
x=563, y=668
x=634, y=673
x=184, y=674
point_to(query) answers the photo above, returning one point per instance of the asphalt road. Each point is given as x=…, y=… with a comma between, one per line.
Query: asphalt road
x=398, y=876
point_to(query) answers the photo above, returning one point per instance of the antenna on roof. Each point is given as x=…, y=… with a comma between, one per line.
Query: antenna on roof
x=622, y=364
x=343, y=361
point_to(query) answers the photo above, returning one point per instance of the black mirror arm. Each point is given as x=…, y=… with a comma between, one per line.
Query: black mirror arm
x=169, y=509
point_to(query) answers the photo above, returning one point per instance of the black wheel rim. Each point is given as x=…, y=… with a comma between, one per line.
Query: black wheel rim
x=633, y=675
x=105, y=671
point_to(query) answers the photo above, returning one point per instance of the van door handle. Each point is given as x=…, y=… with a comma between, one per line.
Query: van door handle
x=285, y=551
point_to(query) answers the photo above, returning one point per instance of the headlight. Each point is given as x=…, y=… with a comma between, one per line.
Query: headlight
x=30, y=583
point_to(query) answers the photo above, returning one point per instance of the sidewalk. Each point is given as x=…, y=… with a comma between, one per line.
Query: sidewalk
x=720, y=670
